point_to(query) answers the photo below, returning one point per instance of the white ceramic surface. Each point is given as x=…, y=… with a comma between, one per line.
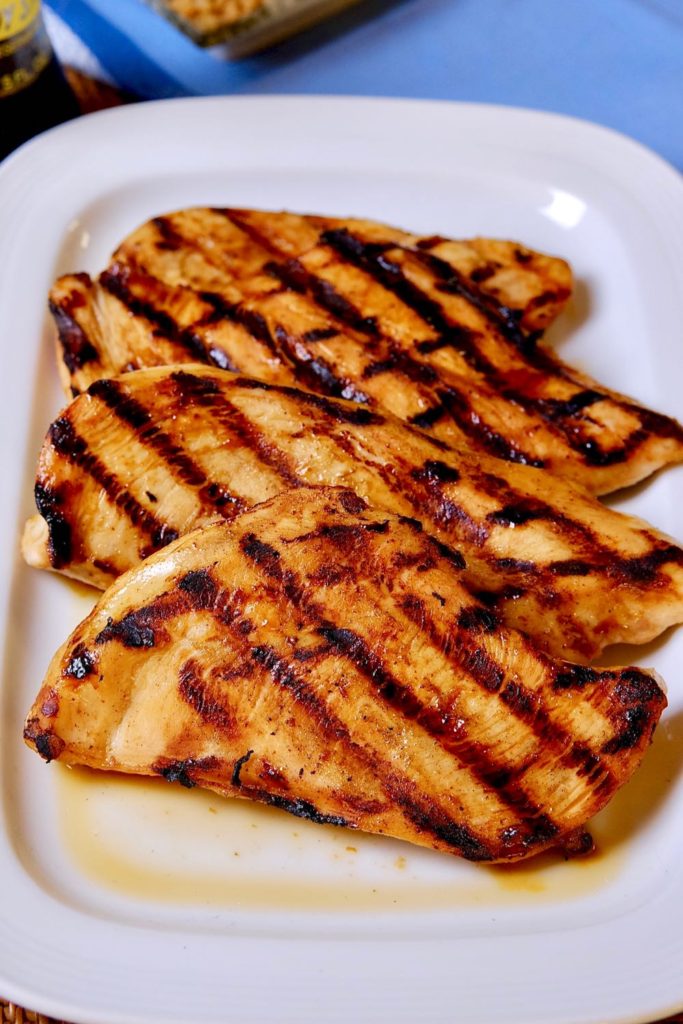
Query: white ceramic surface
x=121, y=904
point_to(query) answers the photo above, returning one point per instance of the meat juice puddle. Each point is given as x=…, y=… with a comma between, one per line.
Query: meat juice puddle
x=154, y=841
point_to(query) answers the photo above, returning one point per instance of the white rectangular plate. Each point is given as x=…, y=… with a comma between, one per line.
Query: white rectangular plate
x=126, y=901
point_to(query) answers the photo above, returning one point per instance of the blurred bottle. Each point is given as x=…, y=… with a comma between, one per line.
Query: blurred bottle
x=34, y=95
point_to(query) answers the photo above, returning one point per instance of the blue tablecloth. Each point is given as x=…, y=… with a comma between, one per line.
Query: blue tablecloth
x=617, y=62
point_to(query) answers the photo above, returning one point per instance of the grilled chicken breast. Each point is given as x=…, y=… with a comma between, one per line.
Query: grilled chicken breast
x=143, y=458
x=324, y=657
x=362, y=311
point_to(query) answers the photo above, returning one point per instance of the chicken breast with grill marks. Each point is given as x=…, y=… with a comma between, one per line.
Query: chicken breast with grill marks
x=141, y=459
x=359, y=310
x=323, y=657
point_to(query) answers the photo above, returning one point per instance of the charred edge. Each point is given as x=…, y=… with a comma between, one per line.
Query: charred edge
x=81, y=663
x=192, y=690
x=643, y=693
x=237, y=768
x=637, y=686
x=179, y=771
x=200, y=587
x=48, y=744
x=68, y=443
x=294, y=275
x=77, y=349
x=316, y=373
x=48, y=502
x=459, y=837
x=644, y=569
x=634, y=722
x=301, y=809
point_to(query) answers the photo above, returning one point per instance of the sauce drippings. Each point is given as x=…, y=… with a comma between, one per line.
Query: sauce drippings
x=151, y=841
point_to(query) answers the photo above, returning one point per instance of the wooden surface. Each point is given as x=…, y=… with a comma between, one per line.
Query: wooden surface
x=93, y=96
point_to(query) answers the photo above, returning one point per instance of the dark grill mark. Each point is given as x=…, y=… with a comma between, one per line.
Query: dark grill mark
x=401, y=362
x=315, y=372
x=48, y=745
x=450, y=554
x=471, y=754
x=574, y=677
x=634, y=723
x=193, y=691
x=294, y=275
x=476, y=619
x=300, y=808
x=464, y=416
x=352, y=502
x=337, y=411
x=425, y=420
x=519, y=513
x=170, y=239
x=181, y=771
x=237, y=768
x=74, y=448
x=49, y=502
x=570, y=567
x=427, y=818
x=77, y=349
x=525, y=705
x=132, y=630
x=435, y=470
x=80, y=664
x=200, y=587
x=319, y=334
x=178, y=461
x=240, y=427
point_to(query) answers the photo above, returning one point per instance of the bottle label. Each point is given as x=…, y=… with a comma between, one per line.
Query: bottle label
x=24, y=45
x=16, y=16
